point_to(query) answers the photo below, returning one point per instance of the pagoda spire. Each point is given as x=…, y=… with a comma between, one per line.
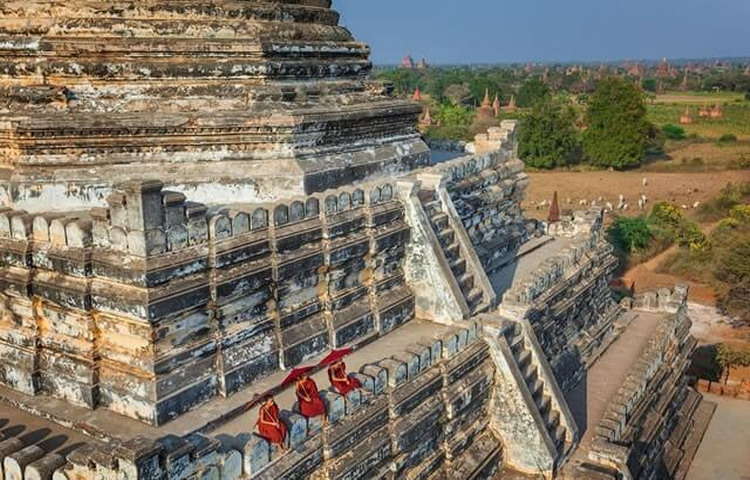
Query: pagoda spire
x=554, y=210
x=417, y=97
x=497, y=106
x=427, y=119
x=486, y=102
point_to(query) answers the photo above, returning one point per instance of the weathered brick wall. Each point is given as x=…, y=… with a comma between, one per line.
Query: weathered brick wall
x=156, y=304
x=255, y=99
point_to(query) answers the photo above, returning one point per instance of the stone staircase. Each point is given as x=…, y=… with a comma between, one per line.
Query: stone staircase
x=451, y=248
x=540, y=391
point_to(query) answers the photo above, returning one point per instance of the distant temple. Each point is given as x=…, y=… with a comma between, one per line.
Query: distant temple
x=512, y=106
x=417, y=97
x=685, y=85
x=686, y=118
x=635, y=70
x=425, y=120
x=497, y=106
x=407, y=62
x=665, y=70
x=717, y=112
x=485, y=112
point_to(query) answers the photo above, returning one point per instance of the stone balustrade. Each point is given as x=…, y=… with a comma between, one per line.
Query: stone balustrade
x=420, y=412
x=647, y=417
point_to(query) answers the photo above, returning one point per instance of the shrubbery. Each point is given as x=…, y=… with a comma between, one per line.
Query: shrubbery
x=673, y=132
x=723, y=259
x=720, y=206
x=631, y=234
x=670, y=221
x=728, y=138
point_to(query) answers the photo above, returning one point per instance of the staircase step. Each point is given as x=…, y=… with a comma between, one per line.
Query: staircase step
x=524, y=359
x=537, y=388
x=466, y=281
x=528, y=374
x=553, y=420
x=452, y=252
x=433, y=208
x=517, y=345
x=446, y=237
x=474, y=298
x=544, y=405
x=440, y=221
x=559, y=437
x=458, y=267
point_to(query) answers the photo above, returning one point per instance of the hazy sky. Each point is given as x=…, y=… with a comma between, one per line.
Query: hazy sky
x=464, y=31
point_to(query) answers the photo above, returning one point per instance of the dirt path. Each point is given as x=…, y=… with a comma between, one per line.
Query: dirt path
x=645, y=277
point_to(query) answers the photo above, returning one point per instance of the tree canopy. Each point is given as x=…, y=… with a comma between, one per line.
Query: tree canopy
x=548, y=137
x=531, y=92
x=618, y=132
x=729, y=357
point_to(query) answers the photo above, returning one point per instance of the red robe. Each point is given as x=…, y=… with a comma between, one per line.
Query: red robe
x=270, y=425
x=310, y=403
x=341, y=381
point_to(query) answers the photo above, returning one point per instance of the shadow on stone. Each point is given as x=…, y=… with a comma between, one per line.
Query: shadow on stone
x=35, y=436
x=64, y=452
x=53, y=443
x=13, y=431
x=577, y=399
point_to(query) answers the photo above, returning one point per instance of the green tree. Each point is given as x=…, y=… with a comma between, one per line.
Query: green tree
x=618, y=132
x=531, y=92
x=729, y=357
x=547, y=137
x=483, y=84
x=455, y=122
x=631, y=234
x=458, y=94
x=649, y=84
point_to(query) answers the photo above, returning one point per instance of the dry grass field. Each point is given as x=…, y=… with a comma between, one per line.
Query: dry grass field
x=669, y=107
x=681, y=188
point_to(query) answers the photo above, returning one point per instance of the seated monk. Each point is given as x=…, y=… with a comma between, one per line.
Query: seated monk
x=310, y=403
x=341, y=380
x=270, y=425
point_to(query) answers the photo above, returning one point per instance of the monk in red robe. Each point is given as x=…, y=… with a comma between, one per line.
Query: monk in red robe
x=310, y=403
x=270, y=425
x=341, y=380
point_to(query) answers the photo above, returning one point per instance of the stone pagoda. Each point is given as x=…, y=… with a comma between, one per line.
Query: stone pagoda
x=202, y=196
x=217, y=99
